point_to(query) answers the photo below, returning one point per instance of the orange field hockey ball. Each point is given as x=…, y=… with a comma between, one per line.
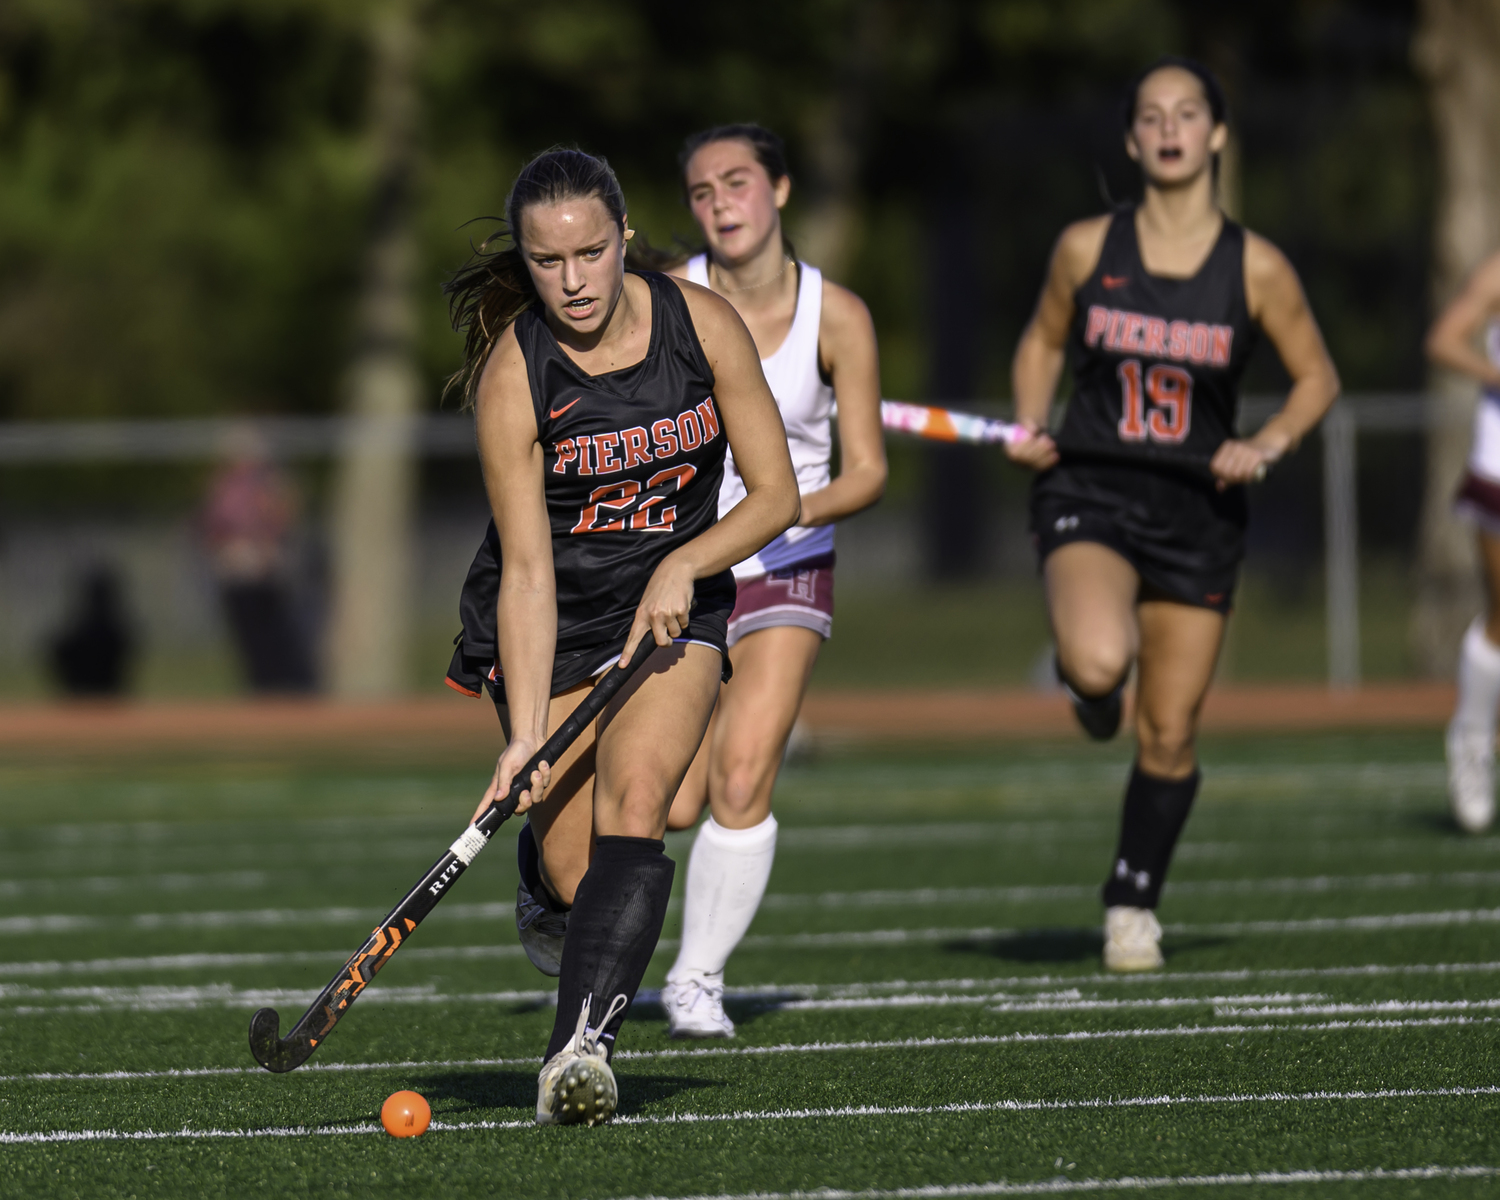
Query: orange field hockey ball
x=405, y=1114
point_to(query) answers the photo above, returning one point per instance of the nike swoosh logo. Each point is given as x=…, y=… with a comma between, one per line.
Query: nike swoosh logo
x=1115, y=281
x=557, y=412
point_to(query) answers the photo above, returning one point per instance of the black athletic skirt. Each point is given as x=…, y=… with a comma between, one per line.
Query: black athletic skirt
x=1184, y=537
x=473, y=666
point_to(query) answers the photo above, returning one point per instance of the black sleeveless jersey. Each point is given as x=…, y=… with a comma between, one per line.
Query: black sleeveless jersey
x=633, y=460
x=1157, y=361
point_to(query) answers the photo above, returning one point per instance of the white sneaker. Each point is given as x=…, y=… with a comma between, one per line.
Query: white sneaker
x=542, y=932
x=576, y=1086
x=1132, y=939
x=1471, y=778
x=695, y=1008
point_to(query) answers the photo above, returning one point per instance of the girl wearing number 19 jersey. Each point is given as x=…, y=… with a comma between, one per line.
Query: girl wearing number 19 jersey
x=1138, y=509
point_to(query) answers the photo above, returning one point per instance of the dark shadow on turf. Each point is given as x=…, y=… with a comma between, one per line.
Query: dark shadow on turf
x=637, y=1091
x=1435, y=821
x=471, y=1091
x=1034, y=945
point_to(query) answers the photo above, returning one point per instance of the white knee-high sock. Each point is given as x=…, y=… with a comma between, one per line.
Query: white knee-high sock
x=1478, y=682
x=726, y=877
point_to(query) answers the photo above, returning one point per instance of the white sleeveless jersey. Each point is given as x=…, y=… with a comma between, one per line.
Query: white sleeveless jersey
x=806, y=404
x=1484, y=455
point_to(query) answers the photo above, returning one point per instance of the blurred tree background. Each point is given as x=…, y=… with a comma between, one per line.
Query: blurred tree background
x=189, y=190
x=185, y=185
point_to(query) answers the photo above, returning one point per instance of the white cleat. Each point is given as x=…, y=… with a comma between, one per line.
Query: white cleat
x=695, y=1008
x=576, y=1086
x=1132, y=939
x=1471, y=778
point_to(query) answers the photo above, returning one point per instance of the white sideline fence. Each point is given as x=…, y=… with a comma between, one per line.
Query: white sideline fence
x=33, y=443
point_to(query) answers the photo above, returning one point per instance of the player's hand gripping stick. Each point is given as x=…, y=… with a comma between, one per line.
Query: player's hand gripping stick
x=277, y=1053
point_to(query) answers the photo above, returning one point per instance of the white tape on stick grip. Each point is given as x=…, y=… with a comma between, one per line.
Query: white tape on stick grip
x=469, y=844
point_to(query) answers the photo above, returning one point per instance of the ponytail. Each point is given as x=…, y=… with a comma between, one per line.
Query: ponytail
x=485, y=295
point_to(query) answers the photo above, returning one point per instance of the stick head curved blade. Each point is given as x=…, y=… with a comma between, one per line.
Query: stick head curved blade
x=270, y=1050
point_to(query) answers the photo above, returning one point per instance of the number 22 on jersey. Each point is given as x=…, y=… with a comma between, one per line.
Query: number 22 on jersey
x=1170, y=391
x=609, y=507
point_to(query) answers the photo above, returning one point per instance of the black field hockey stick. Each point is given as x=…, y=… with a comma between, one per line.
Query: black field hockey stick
x=279, y=1054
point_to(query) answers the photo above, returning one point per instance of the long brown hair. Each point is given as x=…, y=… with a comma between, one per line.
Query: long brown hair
x=494, y=287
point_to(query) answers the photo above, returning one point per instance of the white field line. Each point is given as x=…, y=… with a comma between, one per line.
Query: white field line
x=235, y=918
x=1378, y=1007
x=196, y=962
x=773, y=901
x=58, y=923
x=108, y=885
x=896, y=937
x=785, y=1114
x=1068, y=1001
x=167, y=999
x=930, y=1043
x=1122, y=1183
x=178, y=999
x=1307, y=885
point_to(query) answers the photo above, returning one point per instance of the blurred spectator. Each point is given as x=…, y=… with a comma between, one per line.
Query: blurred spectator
x=91, y=654
x=250, y=512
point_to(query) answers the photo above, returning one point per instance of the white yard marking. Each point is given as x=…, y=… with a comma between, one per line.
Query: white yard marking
x=1307, y=885
x=196, y=962
x=929, y=1043
x=58, y=923
x=150, y=998
x=784, y=1114
x=222, y=995
x=109, y=885
x=1124, y=1183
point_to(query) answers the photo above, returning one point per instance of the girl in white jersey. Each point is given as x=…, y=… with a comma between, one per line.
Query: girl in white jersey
x=816, y=342
x=1471, y=734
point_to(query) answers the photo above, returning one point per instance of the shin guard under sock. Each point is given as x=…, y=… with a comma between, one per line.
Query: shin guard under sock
x=529, y=863
x=1478, y=682
x=1155, y=812
x=726, y=878
x=618, y=912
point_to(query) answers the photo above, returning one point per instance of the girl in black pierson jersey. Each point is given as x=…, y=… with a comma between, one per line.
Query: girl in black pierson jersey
x=604, y=403
x=1138, y=509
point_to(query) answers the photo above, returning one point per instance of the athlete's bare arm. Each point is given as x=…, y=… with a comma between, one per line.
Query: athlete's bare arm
x=847, y=353
x=1277, y=304
x=511, y=457
x=1450, y=342
x=752, y=423
x=1038, y=363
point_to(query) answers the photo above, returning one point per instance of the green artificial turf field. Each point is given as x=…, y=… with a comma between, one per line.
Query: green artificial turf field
x=919, y=1002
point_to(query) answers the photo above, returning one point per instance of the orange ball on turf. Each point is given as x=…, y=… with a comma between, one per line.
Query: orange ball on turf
x=405, y=1114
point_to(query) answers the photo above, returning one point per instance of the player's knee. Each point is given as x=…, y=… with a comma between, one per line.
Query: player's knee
x=740, y=790
x=1166, y=745
x=637, y=812
x=1094, y=670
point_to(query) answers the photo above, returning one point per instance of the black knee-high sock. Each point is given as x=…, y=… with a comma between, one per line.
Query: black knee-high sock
x=618, y=912
x=1155, y=812
x=529, y=861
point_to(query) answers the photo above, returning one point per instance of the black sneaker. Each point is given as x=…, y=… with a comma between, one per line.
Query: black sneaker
x=1100, y=718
